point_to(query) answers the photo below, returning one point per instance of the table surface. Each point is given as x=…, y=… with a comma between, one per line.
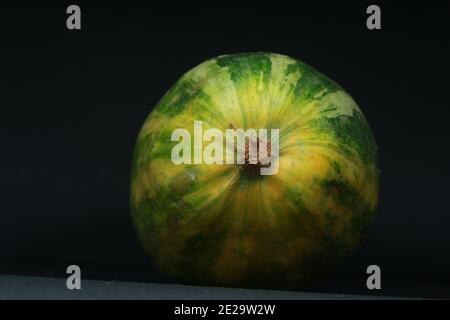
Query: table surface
x=26, y=287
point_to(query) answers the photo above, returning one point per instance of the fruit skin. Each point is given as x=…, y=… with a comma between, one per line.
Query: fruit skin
x=212, y=224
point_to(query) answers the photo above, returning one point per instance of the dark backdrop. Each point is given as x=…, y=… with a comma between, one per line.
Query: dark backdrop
x=72, y=103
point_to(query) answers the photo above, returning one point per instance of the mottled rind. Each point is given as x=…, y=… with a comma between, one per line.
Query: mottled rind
x=211, y=224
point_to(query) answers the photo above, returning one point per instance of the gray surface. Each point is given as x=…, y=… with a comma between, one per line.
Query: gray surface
x=22, y=287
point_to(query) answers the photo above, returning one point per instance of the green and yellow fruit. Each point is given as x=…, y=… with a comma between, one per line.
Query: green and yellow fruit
x=219, y=225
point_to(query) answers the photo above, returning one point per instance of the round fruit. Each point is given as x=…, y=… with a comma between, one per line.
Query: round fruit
x=226, y=224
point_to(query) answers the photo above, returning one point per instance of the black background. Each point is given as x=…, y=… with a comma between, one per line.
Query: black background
x=72, y=103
